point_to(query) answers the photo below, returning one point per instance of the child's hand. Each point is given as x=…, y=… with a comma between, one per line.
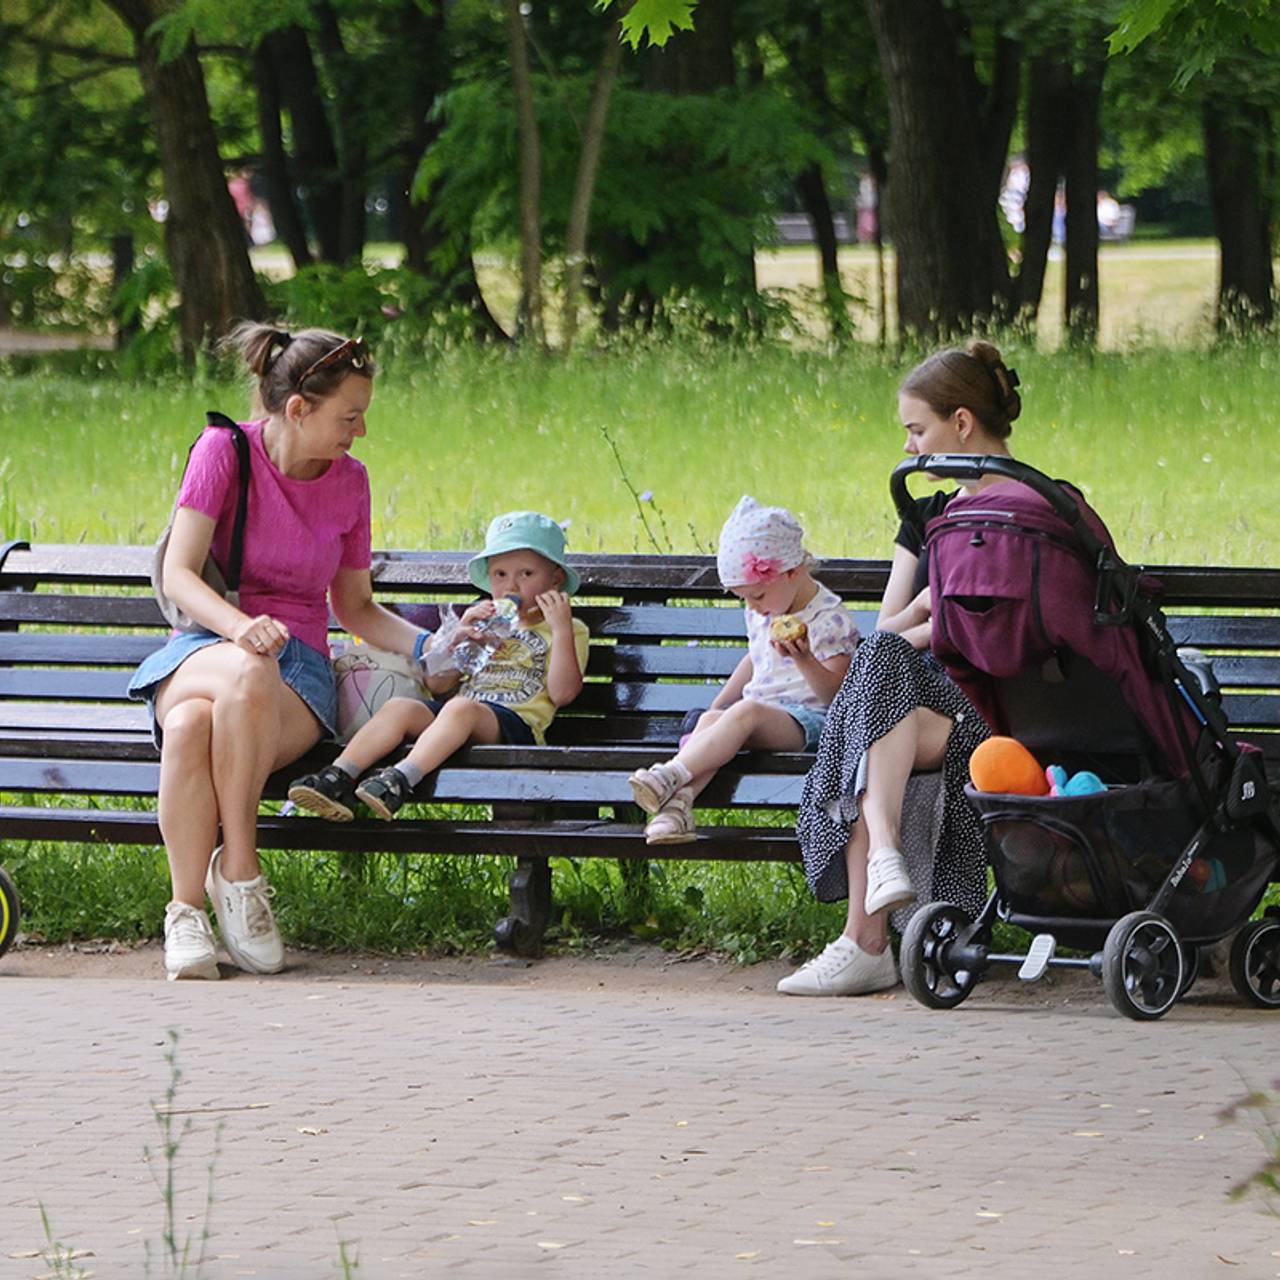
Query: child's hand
x=556, y=609
x=797, y=648
x=478, y=612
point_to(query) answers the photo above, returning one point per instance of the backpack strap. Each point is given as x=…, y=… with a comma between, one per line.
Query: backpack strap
x=236, y=557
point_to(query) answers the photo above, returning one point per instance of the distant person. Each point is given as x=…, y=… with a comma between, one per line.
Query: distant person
x=511, y=699
x=243, y=198
x=1013, y=196
x=250, y=688
x=1108, y=215
x=799, y=641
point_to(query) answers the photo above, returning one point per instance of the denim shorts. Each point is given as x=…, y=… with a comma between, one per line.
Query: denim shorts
x=306, y=671
x=515, y=732
x=810, y=719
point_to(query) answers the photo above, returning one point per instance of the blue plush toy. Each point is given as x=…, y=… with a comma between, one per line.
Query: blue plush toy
x=1084, y=783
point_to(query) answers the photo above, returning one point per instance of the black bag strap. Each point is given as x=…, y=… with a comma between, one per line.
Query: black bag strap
x=231, y=571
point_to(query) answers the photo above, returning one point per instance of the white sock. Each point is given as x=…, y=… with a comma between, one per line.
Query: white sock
x=674, y=772
x=353, y=771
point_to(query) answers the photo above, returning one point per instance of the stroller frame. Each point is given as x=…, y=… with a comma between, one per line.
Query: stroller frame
x=1144, y=963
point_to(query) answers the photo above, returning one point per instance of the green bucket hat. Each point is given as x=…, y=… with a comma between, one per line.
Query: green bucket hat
x=522, y=531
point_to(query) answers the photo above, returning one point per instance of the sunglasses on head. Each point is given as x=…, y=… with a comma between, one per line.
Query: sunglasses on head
x=352, y=350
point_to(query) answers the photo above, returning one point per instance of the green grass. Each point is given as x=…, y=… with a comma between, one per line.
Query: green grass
x=1175, y=449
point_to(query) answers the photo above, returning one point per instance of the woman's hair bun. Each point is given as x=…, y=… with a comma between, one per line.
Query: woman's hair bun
x=1006, y=380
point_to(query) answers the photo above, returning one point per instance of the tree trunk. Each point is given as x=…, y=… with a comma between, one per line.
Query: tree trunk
x=348, y=134
x=204, y=237
x=315, y=158
x=529, y=310
x=122, y=258
x=1047, y=94
x=1240, y=163
x=812, y=187
x=1080, y=300
x=702, y=61
x=275, y=162
x=585, y=183
x=942, y=197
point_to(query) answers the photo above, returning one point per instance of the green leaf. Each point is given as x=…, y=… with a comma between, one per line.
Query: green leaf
x=657, y=19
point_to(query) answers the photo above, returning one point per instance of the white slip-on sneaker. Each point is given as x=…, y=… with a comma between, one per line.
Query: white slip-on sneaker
x=248, y=928
x=888, y=884
x=188, y=943
x=843, y=969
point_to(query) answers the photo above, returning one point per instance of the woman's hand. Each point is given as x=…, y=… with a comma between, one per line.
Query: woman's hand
x=922, y=606
x=263, y=635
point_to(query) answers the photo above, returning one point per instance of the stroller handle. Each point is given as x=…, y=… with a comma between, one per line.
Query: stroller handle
x=973, y=466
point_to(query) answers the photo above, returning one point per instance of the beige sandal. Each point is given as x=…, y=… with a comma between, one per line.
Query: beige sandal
x=673, y=823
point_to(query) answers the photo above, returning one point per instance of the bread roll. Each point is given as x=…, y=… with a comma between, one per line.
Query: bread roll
x=787, y=627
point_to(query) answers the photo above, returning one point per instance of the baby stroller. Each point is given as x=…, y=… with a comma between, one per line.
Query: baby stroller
x=1062, y=645
x=10, y=912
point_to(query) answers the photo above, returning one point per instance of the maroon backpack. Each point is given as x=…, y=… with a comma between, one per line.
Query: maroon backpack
x=1013, y=588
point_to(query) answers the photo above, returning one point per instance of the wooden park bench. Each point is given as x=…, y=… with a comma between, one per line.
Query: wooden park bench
x=75, y=620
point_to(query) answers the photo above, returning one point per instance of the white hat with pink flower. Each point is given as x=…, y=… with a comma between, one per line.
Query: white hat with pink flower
x=757, y=544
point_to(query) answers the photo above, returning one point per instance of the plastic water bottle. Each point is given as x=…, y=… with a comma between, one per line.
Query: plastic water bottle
x=472, y=656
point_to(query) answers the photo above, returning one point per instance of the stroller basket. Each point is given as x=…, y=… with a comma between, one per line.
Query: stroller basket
x=1084, y=861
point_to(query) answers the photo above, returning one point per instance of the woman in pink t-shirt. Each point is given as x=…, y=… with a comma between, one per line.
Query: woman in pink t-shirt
x=251, y=689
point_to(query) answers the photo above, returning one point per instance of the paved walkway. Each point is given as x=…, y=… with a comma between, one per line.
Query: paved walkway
x=491, y=1121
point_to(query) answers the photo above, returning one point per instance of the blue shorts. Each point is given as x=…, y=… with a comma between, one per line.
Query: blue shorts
x=810, y=719
x=307, y=672
x=515, y=732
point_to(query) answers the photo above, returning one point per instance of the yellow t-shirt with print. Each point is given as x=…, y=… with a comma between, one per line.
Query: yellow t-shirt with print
x=516, y=675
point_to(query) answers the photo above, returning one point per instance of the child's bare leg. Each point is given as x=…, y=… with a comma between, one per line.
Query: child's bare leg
x=461, y=720
x=393, y=722
x=745, y=724
x=918, y=741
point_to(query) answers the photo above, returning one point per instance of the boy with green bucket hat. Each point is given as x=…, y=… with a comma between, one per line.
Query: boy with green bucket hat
x=511, y=699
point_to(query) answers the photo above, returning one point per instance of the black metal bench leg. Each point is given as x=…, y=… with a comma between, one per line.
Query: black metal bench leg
x=530, y=888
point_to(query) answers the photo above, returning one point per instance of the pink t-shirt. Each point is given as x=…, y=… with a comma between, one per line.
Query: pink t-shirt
x=297, y=535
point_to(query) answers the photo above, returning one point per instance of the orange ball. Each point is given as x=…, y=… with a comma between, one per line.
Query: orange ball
x=1004, y=765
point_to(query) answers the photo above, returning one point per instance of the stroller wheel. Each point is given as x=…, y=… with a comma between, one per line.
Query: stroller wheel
x=10, y=913
x=932, y=969
x=1255, y=962
x=1143, y=968
x=1190, y=967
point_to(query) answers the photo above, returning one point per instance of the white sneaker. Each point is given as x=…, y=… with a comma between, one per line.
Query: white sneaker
x=888, y=884
x=245, y=921
x=188, y=943
x=843, y=969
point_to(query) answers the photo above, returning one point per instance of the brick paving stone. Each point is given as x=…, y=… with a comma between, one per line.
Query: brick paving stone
x=479, y=1130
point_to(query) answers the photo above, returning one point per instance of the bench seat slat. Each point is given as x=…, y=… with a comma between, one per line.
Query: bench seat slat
x=553, y=838
x=451, y=784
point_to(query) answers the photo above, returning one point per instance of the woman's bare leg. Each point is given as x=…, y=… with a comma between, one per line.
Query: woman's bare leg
x=917, y=742
x=249, y=724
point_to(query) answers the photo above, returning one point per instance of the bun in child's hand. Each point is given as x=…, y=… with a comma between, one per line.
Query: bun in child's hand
x=787, y=627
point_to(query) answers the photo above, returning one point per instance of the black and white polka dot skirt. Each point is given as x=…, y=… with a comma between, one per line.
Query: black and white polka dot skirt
x=886, y=681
